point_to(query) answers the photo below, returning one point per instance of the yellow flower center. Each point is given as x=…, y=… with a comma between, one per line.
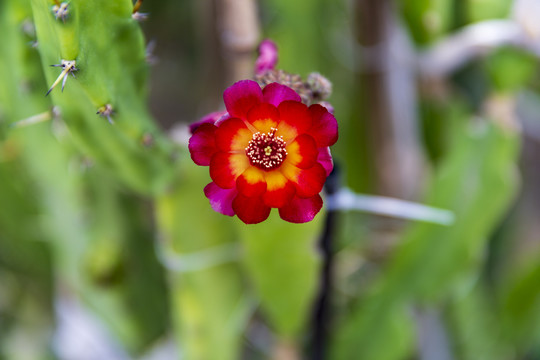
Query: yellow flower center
x=266, y=151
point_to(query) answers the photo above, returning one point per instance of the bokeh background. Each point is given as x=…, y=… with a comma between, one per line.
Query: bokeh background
x=109, y=249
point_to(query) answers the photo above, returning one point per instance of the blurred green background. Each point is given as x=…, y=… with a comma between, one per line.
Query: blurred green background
x=109, y=249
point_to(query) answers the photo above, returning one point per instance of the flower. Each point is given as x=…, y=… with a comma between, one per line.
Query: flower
x=268, y=57
x=269, y=151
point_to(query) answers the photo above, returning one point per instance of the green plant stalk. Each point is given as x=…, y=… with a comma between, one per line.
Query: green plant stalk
x=108, y=47
x=26, y=270
x=87, y=234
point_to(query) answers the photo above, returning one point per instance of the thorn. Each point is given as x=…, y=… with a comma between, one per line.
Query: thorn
x=68, y=67
x=106, y=111
x=64, y=82
x=151, y=59
x=140, y=17
x=147, y=140
x=36, y=119
x=136, y=15
x=137, y=6
x=60, y=10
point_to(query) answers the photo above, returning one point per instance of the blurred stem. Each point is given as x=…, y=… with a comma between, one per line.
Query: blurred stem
x=239, y=35
x=211, y=61
x=433, y=340
x=370, y=32
x=285, y=350
x=459, y=14
x=387, y=102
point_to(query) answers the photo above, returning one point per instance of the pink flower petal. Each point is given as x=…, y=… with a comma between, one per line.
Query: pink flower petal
x=226, y=167
x=328, y=106
x=232, y=135
x=275, y=94
x=251, y=210
x=226, y=116
x=308, y=182
x=220, y=199
x=300, y=210
x=325, y=128
x=268, y=57
x=325, y=159
x=211, y=118
x=202, y=144
x=241, y=97
x=263, y=117
x=295, y=119
x=279, y=189
x=302, y=152
x=251, y=182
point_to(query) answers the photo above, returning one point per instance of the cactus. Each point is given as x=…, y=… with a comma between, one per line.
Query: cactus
x=78, y=214
x=100, y=47
x=98, y=207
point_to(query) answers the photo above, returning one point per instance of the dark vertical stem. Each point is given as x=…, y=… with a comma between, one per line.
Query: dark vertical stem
x=387, y=116
x=322, y=313
x=371, y=33
x=459, y=14
x=212, y=79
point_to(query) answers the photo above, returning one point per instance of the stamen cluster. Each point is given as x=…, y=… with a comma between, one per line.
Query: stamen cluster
x=266, y=151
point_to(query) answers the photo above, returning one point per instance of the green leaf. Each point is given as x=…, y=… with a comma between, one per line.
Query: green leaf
x=479, y=10
x=427, y=20
x=520, y=304
x=476, y=328
x=510, y=69
x=476, y=181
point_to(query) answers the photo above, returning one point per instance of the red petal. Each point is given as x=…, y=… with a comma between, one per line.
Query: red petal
x=202, y=144
x=226, y=167
x=251, y=210
x=263, y=117
x=279, y=189
x=233, y=135
x=241, y=97
x=275, y=94
x=325, y=159
x=251, y=182
x=300, y=210
x=308, y=182
x=295, y=120
x=302, y=152
x=325, y=128
x=220, y=199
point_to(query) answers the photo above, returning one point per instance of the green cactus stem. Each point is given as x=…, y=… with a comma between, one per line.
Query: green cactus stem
x=106, y=45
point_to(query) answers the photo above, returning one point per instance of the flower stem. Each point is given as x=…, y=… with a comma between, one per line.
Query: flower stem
x=322, y=314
